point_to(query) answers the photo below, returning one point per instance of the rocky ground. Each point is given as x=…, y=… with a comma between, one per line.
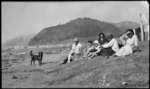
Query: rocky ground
x=116, y=72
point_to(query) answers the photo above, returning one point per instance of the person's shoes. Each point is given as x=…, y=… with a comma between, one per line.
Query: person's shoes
x=115, y=56
x=84, y=58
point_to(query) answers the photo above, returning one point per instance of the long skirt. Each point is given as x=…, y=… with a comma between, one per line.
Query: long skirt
x=106, y=52
x=120, y=45
x=125, y=50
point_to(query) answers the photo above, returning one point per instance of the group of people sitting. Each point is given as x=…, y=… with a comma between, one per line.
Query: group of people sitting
x=104, y=46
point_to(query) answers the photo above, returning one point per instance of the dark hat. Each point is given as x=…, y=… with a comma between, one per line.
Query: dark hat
x=90, y=41
x=130, y=31
x=109, y=35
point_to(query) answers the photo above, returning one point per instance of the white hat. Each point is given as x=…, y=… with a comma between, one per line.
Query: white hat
x=96, y=42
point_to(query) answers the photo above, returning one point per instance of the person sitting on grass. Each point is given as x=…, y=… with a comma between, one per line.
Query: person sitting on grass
x=111, y=47
x=75, y=51
x=127, y=49
x=102, y=39
x=124, y=37
x=94, y=51
x=84, y=48
x=135, y=37
x=89, y=47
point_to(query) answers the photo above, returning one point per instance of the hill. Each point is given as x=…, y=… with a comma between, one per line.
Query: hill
x=21, y=40
x=124, y=25
x=80, y=27
x=84, y=28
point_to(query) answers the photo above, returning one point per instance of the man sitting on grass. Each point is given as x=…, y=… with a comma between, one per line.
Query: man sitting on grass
x=75, y=51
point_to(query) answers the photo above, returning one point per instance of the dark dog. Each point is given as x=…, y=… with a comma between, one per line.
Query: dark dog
x=38, y=57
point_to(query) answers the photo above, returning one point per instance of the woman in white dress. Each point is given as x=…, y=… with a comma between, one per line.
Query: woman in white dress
x=127, y=49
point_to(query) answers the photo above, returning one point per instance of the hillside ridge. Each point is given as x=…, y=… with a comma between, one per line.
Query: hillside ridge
x=81, y=28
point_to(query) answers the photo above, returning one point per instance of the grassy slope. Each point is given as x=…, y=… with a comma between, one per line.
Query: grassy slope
x=97, y=72
x=132, y=69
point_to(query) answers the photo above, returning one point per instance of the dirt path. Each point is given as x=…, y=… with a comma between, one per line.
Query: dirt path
x=24, y=75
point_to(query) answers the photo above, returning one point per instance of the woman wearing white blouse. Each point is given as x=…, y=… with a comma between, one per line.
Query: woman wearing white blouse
x=131, y=42
x=110, y=48
x=112, y=43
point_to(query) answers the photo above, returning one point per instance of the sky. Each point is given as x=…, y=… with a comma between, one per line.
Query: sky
x=23, y=18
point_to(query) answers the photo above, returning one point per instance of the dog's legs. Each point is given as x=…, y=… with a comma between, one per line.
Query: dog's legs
x=31, y=62
x=34, y=62
x=39, y=62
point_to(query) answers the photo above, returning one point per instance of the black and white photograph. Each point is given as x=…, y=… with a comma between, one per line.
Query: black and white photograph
x=75, y=44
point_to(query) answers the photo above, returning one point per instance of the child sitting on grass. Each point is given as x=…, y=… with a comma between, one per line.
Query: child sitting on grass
x=89, y=47
x=93, y=50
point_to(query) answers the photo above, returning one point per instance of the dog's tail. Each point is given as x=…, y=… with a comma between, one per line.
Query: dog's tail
x=31, y=54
